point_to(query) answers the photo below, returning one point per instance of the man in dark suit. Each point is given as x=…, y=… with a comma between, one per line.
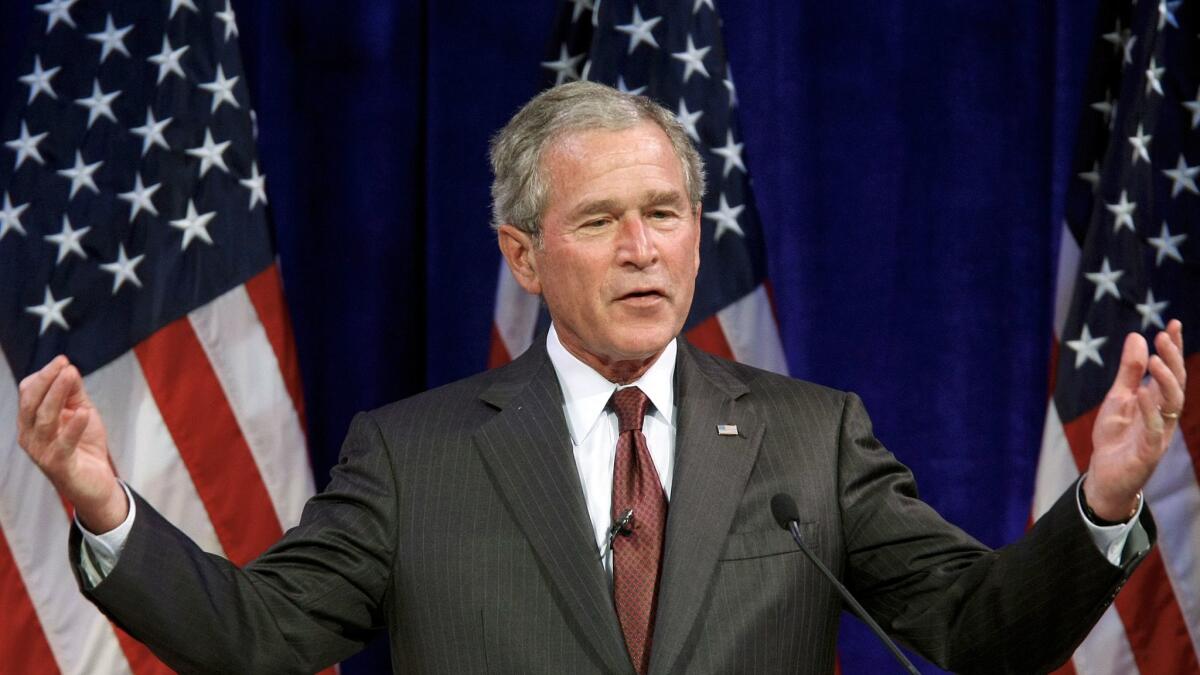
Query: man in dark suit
x=602, y=503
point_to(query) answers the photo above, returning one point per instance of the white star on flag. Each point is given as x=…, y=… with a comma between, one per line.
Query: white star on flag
x=26, y=146
x=1123, y=210
x=139, y=197
x=1116, y=37
x=111, y=39
x=579, y=8
x=566, y=67
x=152, y=132
x=1087, y=348
x=1194, y=108
x=80, y=175
x=726, y=219
x=640, y=30
x=1166, y=13
x=39, y=80
x=700, y=3
x=229, y=19
x=257, y=184
x=167, y=60
x=51, y=311
x=194, y=226
x=1153, y=74
x=693, y=59
x=1166, y=245
x=1130, y=41
x=621, y=86
x=1151, y=311
x=688, y=119
x=1141, y=145
x=68, y=240
x=123, y=269
x=1092, y=176
x=210, y=153
x=10, y=217
x=1104, y=107
x=176, y=5
x=1105, y=280
x=221, y=89
x=732, y=153
x=1183, y=177
x=55, y=11
x=99, y=104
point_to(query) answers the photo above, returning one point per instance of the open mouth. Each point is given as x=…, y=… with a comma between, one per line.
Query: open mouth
x=641, y=297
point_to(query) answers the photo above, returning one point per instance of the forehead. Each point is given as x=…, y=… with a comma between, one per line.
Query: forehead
x=634, y=159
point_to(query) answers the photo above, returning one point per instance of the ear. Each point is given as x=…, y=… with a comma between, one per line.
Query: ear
x=699, y=234
x=518, y=250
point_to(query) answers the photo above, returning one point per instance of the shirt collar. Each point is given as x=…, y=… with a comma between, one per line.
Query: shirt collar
x=586, y=392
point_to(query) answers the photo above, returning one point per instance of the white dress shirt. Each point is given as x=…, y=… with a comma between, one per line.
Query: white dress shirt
x=593, y=428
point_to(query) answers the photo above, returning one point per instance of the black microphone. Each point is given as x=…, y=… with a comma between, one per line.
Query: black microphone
x=783, y=507
x=619, y=526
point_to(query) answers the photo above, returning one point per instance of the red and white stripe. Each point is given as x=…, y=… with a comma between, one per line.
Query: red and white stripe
x=744, y=331
x=1154, y=625
x=205, y=421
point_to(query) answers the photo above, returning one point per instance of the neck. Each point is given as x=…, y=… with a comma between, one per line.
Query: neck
x=625, y=372
x=613, y=370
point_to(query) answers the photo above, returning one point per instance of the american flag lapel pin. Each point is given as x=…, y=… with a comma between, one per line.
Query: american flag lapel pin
x=727, y=430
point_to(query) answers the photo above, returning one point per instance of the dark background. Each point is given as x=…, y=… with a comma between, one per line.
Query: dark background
x=909, y=160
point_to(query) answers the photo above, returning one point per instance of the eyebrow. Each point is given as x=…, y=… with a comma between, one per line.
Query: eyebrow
x=650, y=199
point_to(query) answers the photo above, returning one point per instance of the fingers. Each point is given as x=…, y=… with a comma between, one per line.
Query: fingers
x=73, y=427
x=1134, y=356
x=1175, y=330
x=1167, y=390
x=49, y=415
x=1152, y=420
x=33, y=389
x=1169, y=345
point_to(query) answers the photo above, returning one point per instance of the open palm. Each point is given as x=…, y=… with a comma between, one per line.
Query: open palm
x=1135, y=422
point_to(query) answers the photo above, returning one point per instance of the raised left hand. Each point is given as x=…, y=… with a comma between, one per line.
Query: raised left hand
x=1135, y=422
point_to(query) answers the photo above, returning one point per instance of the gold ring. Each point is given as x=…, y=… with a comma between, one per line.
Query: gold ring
x=1168, y=415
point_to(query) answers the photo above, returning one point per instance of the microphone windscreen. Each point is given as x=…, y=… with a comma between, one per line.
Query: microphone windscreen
x=783, y=507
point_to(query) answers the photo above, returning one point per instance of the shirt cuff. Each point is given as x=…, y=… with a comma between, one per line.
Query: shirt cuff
x=1111, y=539
x=100, y=552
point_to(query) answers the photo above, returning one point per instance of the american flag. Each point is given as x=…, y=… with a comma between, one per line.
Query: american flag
x=1130, y=261
x=134, y=239
x=672, y=52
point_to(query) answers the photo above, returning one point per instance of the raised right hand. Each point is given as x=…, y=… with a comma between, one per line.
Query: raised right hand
x=63, y=434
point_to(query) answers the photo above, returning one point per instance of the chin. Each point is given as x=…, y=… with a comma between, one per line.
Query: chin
x=645, y=345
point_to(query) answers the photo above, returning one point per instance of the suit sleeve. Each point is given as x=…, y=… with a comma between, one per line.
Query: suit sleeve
x=1021, y=609
x=312, y=599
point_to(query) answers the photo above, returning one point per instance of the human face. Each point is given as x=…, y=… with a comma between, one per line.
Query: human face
x=620, y=247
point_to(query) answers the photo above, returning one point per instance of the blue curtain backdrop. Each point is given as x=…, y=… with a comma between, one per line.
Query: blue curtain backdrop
x=908, y=158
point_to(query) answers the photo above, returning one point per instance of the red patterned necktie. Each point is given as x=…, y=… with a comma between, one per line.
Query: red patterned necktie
x=637, y=553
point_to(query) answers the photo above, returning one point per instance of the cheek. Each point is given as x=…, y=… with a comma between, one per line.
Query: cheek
x=573, y=287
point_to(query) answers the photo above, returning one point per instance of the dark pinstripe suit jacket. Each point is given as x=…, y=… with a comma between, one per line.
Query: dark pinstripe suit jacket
x=456, y=521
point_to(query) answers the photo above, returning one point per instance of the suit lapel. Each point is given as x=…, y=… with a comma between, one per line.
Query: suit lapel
x=527, y=450
x=710, y=475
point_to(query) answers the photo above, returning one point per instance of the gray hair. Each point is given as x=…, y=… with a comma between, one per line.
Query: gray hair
x=520, y=188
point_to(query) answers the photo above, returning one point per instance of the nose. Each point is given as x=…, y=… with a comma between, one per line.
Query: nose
x=635, y=244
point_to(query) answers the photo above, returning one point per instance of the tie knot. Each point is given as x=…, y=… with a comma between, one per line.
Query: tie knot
x=630, y=405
